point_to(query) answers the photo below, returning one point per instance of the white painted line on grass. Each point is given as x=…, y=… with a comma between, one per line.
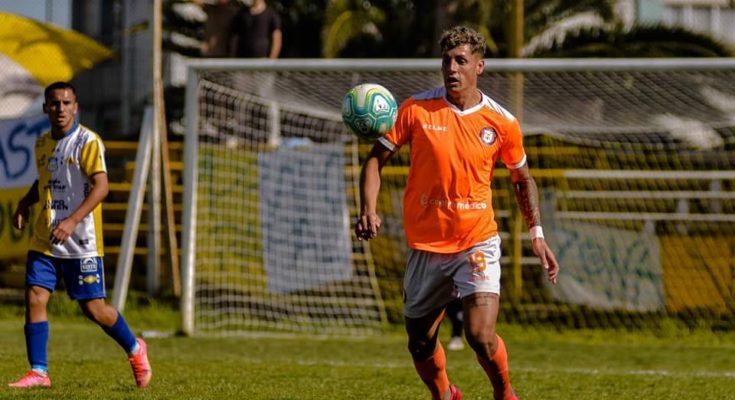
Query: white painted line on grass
x=574, y=371
x=635, y=372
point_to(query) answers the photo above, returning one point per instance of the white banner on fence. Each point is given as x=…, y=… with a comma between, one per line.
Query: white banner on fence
x=17, y=173
x=17, y=139
x=304, y=217
x=607, y=268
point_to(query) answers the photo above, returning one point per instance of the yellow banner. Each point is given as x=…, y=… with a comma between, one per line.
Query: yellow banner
x=697, y=272
x=49, y=53
x=13, y=243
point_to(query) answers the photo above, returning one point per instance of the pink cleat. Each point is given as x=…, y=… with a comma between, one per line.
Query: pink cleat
x=32, y=379
x=454, y=393
x=141, y=367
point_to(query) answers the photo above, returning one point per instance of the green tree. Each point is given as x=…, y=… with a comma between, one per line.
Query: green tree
x=397, y=28
x=552, y=28
x=404, y=28
x=351, y=21
x=302, y=22
x=544, y=18
x=639, y=41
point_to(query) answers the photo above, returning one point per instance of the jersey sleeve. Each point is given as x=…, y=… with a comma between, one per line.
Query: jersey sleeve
x=512, y=152
x=275, y=22
x=92, y=159
x=400, y=134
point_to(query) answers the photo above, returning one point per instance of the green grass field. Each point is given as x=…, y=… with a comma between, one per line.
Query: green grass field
x=545, y=364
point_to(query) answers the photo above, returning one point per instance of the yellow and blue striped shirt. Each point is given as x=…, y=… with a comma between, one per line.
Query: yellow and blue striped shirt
x=64, y=170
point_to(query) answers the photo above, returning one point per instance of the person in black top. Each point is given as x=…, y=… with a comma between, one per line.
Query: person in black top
x=256, y=32
x=454, y=312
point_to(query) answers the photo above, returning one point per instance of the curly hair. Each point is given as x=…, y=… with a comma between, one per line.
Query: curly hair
x=460, y=35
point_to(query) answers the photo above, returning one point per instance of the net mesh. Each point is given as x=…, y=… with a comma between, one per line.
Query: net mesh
x=634, y=166
x=274, y=194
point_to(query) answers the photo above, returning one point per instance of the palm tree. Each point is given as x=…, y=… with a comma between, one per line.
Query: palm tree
x=546, y=21
x=639, y=41
x=397, y=28
x=411, y=28
x=543, y=18
x=559, y=28
x=349, y=21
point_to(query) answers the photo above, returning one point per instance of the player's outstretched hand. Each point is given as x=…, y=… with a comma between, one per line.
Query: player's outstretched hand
x=367, y=226
x=20, y=217
x=547, y=257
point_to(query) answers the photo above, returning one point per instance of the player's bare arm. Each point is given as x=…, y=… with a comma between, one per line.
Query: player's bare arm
x=277, y=40
x=526, y=192
x=20, y=216
x=98, y=193
x=368, y=223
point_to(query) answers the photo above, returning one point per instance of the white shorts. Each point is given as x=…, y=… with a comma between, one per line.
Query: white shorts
x=433, y=279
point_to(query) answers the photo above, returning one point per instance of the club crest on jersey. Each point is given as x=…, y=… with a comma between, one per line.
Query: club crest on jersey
x=488, y=136
x=53, y=164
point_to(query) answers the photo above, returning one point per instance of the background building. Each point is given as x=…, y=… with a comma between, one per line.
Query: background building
x=114, y=92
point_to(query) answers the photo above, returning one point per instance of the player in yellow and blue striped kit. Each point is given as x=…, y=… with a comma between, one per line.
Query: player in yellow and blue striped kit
x=67, y=238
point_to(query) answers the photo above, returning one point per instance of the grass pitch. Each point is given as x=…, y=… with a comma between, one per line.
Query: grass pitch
x=545, y=364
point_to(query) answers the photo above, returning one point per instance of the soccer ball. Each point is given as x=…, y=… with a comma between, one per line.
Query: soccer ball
x=369, y=110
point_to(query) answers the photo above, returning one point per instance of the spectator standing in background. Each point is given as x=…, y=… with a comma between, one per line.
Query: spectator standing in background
x=454, y=312
x=220, y=14
x=256, y=31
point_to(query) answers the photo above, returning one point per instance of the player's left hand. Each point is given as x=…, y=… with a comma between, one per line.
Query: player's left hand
x=547, y=257
x=20, y=216
x=62, y=231
x=367, y=226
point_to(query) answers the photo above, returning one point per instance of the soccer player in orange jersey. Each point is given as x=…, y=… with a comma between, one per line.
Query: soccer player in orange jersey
x=455, y=134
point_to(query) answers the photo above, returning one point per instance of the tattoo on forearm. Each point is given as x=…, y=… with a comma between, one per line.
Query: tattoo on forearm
x=527, y=197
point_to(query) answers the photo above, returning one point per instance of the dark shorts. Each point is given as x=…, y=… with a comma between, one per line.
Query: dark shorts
x=84, y=278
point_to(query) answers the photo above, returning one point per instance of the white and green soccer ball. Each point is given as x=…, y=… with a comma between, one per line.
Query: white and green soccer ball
x=369, y=110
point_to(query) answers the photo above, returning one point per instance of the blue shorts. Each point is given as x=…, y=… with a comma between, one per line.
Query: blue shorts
x=84, y=278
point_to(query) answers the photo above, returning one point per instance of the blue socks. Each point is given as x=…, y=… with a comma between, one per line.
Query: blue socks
x=36, y=344
x=122, y=334
x=37, y=334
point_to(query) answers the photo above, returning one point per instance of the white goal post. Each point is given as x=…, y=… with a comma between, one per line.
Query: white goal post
x=270, y=187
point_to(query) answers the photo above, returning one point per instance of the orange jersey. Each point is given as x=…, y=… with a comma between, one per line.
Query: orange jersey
x=447, y=206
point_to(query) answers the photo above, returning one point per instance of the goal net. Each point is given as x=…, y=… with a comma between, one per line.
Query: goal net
x=634, y=161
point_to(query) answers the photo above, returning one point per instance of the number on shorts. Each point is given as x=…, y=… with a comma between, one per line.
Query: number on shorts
x=477, y=262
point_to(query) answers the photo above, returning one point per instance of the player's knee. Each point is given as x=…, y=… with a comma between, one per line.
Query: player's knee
x=422, y=349
x=89, y=313
x=37, y=298
x=93, y=310
x=482, y=339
